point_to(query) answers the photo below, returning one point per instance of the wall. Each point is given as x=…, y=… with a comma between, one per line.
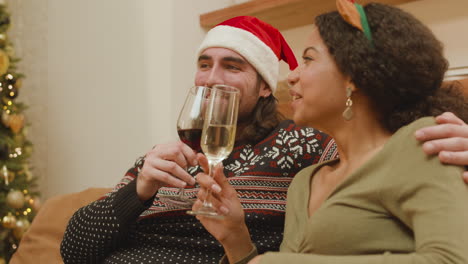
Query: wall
x=448, y=25
x=106, y=79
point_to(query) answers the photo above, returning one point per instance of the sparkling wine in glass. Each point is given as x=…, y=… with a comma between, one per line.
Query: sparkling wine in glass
x=189, y=129
x=218, y=135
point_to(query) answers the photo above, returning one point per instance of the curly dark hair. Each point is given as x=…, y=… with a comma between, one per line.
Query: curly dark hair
x=264, y=118
x=401, y=71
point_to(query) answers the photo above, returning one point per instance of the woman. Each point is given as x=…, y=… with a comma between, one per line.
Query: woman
x=369, y=78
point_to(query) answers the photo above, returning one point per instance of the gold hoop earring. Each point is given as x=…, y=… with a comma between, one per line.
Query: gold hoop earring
x=348, y=113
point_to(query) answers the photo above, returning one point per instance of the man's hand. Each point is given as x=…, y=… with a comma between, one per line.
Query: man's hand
x=165, y=164
x=448, y=139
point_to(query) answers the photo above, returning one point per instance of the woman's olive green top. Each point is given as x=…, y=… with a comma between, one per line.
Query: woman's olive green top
x=401, y=206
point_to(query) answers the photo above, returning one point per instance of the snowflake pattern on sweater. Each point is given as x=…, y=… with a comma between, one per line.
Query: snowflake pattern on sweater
x=119, y=229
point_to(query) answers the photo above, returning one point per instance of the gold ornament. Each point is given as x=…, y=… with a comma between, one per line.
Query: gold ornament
x=28, y=175
x=2, y=260
x=30, y=199
x=11, y=176
x=4, y=62
x=9, y=221
x=6, y=119
x=18, y=84
x=4, y=232
x=5, y=175
x=15, y=199
x=35, y=203
x=16, y=122
x=22, y=226
x=2, y=39
x=23, y=223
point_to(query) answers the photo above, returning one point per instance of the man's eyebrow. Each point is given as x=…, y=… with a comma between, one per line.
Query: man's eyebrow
x=234, y=59
x=226, y=59
x=309, y=48
x=204, y=57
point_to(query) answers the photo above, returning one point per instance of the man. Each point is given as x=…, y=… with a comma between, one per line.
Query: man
x=132, y=225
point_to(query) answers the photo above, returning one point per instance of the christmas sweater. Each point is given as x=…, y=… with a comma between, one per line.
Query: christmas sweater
x=119, y=228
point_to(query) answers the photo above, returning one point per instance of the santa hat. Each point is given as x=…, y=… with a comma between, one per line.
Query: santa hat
x=259, y=43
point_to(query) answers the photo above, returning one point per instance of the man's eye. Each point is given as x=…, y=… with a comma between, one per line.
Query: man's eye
x=306, y=59
x=232, y=67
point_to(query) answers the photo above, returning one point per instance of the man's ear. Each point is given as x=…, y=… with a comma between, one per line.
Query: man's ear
x=265, y=90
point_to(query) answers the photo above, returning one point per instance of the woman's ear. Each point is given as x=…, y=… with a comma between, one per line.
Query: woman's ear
x=351, y=85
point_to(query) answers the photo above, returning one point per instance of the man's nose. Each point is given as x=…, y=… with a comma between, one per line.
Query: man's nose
x=293, y=77
x=215, y=76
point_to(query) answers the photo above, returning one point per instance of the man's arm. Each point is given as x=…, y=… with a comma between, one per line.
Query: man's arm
x=100, y=228
x=97, y=229
x=448, y=139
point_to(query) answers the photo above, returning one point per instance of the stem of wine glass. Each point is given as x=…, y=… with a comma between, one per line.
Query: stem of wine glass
x=207, y=203
x=181, y=192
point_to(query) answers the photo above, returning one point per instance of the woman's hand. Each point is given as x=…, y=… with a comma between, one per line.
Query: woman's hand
x=231, y=231
x=448, y=139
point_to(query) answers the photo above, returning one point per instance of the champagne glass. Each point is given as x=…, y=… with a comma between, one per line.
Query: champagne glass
x=189, y=129
x=218, y=135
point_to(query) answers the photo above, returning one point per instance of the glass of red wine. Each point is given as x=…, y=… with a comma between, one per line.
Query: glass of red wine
x=189, y=128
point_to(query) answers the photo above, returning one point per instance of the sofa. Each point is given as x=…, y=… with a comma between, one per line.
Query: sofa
x=41, y=243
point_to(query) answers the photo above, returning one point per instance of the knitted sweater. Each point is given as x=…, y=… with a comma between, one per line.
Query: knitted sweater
x=120, y=229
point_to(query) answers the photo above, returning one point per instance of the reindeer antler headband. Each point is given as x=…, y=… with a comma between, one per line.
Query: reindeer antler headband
x=354, y=14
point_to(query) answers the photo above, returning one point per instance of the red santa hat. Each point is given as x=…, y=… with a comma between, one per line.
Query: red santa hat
x=259, y=43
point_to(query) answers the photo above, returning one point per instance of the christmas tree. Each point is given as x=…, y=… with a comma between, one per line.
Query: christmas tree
x=18, y=200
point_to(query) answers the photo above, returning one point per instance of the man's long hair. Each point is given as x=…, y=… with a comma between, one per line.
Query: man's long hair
x=264, y=118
